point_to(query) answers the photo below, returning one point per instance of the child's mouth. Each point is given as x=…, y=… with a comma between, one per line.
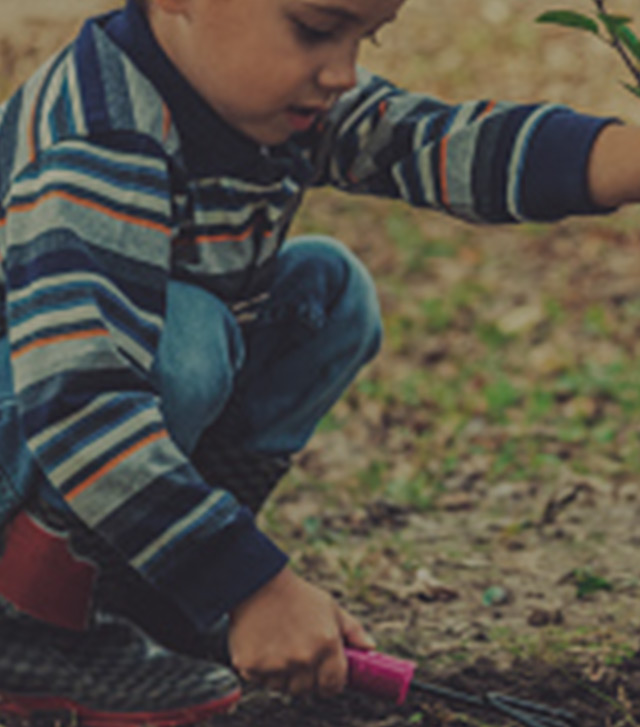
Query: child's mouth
x=302, y=118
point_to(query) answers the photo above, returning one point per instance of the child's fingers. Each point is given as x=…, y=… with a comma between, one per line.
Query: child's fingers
x=353, y=633
x=301, y=681
x=276, y=683
x=331, y=676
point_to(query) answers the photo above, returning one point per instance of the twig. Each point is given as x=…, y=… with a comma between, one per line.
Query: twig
x=615, y=43
x=628, y=719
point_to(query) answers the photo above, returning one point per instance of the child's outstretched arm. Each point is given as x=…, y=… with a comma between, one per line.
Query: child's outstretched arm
x=480, y=160
x=614, y=166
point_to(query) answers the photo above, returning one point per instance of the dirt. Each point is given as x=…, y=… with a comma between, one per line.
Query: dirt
x=485, y=587
x=553, y=688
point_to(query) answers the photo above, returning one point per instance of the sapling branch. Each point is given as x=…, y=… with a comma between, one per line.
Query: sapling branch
x=615, y=42
x=618, y=35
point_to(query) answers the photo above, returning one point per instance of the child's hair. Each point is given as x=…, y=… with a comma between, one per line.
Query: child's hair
x=142, y=4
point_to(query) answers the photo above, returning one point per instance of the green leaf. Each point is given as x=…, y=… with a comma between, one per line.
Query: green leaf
x=588, y=582
x=616, y=19
x=569, y=19
x=630, y=40
x=633, y=89
x=614, y=23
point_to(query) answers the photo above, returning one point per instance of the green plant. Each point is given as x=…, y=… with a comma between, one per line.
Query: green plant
x=588, y=582
x=609, y=27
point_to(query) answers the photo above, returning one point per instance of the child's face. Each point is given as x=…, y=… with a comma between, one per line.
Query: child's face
x=268, y=67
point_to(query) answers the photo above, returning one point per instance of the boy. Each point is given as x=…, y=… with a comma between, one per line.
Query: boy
x=165, y=353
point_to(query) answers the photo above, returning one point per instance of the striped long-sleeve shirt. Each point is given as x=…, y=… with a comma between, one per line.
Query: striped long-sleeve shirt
x=114, y=177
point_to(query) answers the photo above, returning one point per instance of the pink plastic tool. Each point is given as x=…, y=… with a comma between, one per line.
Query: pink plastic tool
x=379, y=674
x=388, y=677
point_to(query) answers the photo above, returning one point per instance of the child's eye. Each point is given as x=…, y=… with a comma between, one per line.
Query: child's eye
x=310, y=35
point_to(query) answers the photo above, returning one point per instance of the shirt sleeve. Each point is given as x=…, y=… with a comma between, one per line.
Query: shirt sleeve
x=87, y=233
x=483, y=161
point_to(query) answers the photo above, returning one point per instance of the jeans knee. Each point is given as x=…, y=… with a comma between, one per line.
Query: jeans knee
x=351, y=296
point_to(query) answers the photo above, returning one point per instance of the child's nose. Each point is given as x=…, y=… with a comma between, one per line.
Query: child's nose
x=339, y=73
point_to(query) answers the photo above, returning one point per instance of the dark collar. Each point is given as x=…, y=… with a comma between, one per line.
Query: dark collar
x=210, y=146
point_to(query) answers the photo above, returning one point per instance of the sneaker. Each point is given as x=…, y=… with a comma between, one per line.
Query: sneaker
x=249, y=476
x=112, y=675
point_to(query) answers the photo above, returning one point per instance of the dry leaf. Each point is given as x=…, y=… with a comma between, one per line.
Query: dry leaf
x=456, y=501
x=522, y=319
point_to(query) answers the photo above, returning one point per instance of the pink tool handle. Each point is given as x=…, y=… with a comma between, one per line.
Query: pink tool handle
x=380, y=674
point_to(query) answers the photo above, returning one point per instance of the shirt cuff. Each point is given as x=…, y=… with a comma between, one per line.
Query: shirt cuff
x=555, y=181
x=222, y=571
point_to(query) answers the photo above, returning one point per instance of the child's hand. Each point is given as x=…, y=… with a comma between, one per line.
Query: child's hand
x=614, y=171
x=290, y=636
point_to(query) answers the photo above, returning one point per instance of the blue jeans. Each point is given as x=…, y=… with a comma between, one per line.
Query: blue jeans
x=283, y=370
x=279, y=373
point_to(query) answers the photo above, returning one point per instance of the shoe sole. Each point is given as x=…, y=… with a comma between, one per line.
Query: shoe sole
x=69, y=713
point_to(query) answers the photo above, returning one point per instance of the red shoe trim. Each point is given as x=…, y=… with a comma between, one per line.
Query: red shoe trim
x=23, y=706
x=41, y=577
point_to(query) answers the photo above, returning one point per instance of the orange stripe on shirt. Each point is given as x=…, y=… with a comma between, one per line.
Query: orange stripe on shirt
x=225, y=237
x=112, y=464
x=102, y=209
x=490, y=106
x=60, y=338
x=166, y=122
x=444, y=187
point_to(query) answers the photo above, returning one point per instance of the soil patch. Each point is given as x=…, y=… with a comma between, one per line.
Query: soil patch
x=603, y=700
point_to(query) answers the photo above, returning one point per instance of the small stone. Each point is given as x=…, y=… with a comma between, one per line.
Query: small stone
x=544, y=617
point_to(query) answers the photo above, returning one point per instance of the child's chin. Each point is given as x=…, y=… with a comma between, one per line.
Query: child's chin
x=271, y=135
x=274, y=139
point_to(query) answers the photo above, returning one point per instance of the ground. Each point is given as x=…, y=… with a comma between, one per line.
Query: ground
x=474, y=498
